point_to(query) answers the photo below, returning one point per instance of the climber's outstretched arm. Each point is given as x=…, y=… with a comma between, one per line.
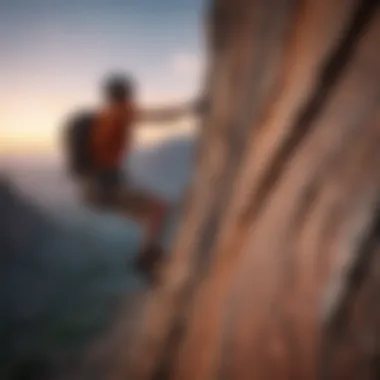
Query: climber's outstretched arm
x=170, y=114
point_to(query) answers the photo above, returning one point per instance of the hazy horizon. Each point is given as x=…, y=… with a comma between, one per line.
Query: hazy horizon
x=164, y=168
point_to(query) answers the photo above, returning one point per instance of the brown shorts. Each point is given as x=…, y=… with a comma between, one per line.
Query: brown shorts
x=106, y=184
x=112, y=190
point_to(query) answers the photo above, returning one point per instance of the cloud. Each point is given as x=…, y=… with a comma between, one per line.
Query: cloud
x=189, y=64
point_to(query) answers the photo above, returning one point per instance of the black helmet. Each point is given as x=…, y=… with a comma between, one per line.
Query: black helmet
x=118, y=87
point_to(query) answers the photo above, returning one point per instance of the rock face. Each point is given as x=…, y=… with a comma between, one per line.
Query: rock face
x=275, y=267
x=62, y=285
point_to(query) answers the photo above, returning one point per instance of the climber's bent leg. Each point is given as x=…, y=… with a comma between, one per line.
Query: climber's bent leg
x=151, y=212
x=152, y=251
x=106, y=191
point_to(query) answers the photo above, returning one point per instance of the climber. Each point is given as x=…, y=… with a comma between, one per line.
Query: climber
x=110, y=145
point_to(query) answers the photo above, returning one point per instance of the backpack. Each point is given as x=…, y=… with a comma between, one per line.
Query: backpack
x=77, y=143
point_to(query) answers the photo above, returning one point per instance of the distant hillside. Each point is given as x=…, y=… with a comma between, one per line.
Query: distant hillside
x=61, y=283
x=166, y=168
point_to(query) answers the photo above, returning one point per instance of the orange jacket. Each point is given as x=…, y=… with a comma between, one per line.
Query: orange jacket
x=111, y=137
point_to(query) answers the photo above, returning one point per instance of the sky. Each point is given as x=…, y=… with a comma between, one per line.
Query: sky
x=55, y=53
